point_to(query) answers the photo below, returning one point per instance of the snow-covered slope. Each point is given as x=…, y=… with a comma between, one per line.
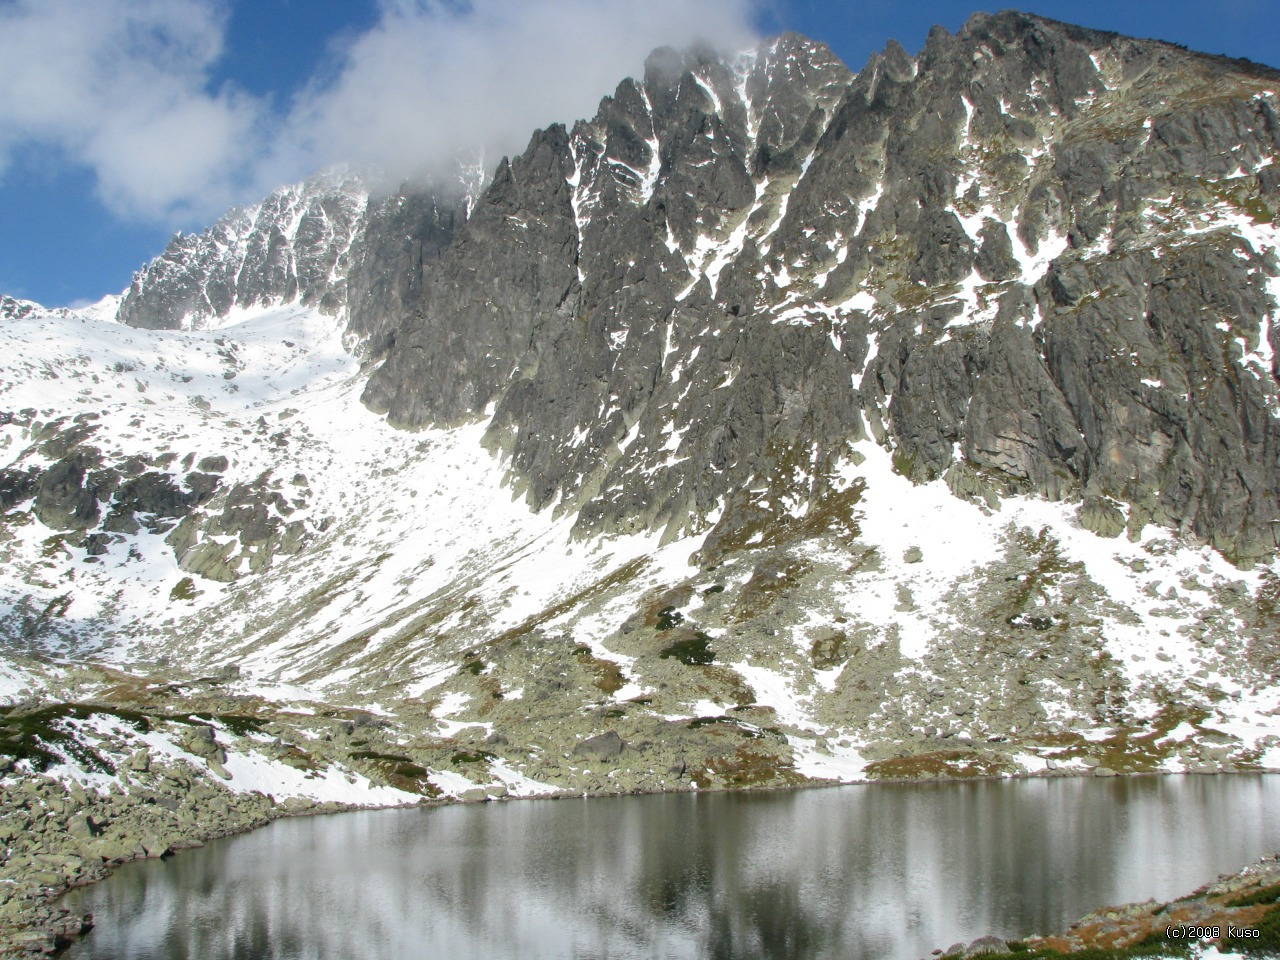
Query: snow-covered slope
x=421, y=589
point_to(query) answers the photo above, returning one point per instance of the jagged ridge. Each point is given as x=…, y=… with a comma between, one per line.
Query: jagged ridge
x=983, y=256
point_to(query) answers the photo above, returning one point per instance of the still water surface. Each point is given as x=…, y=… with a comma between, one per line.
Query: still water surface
x=882, y=871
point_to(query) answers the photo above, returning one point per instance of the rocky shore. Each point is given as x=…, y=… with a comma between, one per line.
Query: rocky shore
x=56, y=835
x=1237, y=914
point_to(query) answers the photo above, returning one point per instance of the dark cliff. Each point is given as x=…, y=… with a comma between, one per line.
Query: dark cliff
x=1035, y=258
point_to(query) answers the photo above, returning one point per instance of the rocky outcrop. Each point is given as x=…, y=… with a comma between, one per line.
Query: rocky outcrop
x=78, y=488
x=327, y=242
x=1033, y=258
x=295, y=245
x=11, y=308
x=241, y=529
x=96, y=499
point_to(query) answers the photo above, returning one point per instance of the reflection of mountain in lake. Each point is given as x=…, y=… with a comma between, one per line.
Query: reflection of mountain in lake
x=878, y=872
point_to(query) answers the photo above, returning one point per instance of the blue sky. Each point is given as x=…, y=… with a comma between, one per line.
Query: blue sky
x=110, y=140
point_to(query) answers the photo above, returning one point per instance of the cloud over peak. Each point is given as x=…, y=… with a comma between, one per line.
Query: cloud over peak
x=125, y=88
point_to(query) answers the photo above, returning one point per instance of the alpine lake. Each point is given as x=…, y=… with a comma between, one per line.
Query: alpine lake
x=882, y=871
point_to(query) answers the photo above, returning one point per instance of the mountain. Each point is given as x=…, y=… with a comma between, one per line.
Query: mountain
x=779, y=423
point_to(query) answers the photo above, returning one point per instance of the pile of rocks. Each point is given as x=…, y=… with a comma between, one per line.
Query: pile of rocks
x=1238, y=901
x=56, y=835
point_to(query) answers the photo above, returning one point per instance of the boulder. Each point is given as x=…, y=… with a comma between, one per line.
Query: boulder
x=605, y=746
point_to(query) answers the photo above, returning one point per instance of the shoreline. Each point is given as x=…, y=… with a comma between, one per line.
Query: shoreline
x=35, y=922
x=1226, y=913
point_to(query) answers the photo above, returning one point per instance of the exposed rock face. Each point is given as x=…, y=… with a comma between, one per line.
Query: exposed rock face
x=216, y=529
x=11, y=308
x=295, y=245
x=78, y=488
x=400, y=237
x=1035, y=258
x=242, y=528
x=327, y=243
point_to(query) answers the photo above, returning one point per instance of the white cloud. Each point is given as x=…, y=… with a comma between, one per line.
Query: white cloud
x=124, y=88
x=432, y=77
x=121, y=86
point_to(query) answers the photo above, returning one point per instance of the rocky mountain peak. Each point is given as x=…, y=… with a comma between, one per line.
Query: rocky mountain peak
x=906, y=231
x=294, y=245
x=771, y=254
x=12, y=308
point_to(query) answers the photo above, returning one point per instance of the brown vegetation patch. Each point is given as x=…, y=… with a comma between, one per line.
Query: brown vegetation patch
x=941, y=765
x=747, y=766
x=608, y=675
x=768, y=580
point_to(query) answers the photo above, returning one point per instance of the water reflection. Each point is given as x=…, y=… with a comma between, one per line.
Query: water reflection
x=857, y=872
